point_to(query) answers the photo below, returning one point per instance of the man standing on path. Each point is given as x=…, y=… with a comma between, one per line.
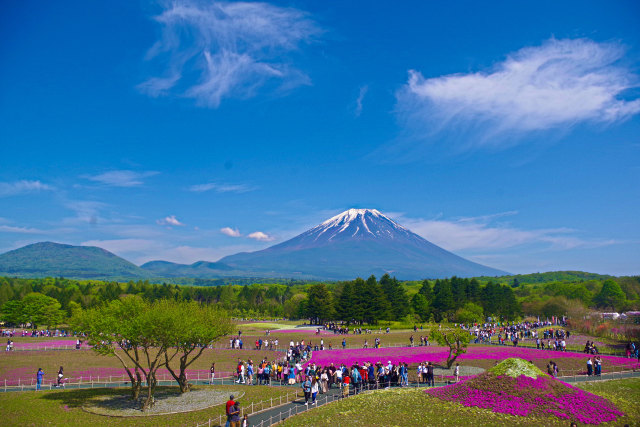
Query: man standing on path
x=230, y=404
x=39, y=376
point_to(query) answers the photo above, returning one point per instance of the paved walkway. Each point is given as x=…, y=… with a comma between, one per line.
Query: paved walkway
x=274, y=415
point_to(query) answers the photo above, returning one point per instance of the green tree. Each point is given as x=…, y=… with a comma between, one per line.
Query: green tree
x=376, y=306
x=344, y=308
x=192, y=329
x=420, y=306
x=456, y=339
x=133, y=331
x=396, y=295
x=319, y=304
x=443, y=300
x=610, y=296
x=12, y=312
x=39, y=309
x=470, y=313
x=426, y=290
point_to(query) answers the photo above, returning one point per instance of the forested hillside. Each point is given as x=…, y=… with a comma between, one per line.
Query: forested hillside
x=50, y=301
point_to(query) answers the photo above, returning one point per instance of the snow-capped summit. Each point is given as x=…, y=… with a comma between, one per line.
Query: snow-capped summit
x=357, y=242
x=355, y=224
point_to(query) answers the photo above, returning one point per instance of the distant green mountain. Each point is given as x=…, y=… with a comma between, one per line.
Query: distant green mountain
x=47, y=259
x=200, y=269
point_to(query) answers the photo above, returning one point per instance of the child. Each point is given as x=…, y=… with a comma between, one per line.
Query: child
x=245, y=421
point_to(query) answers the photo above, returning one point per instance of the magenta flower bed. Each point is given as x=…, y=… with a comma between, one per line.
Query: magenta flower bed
x=523, y=395
x=436, y=354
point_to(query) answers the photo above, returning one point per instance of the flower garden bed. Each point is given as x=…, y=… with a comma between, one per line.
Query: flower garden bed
x=518, y=388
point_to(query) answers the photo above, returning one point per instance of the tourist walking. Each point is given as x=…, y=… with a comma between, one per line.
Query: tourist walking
x=39, y=376
x=212, y=372
x=314, y=390
x=306, y=388
x=589, y=367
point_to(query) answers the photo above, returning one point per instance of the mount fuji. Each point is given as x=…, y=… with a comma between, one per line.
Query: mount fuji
x=357, y=242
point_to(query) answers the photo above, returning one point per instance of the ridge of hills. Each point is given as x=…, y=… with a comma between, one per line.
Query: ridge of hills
x=357, y=242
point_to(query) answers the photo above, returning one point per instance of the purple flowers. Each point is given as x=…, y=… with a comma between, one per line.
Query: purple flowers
x=436, y=354
x=523, y=395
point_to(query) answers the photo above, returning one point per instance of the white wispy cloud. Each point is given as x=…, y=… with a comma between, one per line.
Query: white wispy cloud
x=260, y=236
x=121, y=178
x=232, y=232
x=233, y=48
x=19, y=230
x=482, y=233
x=22, y=187
x=170, y=220
x=221, y=188
x=363, y=91
x=557, y=84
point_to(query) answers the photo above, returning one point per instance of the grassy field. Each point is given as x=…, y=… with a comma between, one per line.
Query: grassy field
x=84, y=363
x=64, y=408
x=408, y=407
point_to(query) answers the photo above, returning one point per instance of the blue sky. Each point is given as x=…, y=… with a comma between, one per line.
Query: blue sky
x=508, y=133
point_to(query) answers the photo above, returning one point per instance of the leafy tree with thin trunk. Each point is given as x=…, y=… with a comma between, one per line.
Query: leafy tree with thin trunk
x=133, y=331
x=456, y=339
x=193, y=329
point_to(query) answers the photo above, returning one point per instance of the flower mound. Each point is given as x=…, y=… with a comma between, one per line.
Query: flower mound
x=517, y=387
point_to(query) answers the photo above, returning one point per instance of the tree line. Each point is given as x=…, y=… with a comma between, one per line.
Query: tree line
x=371, y=301
x=50, y=301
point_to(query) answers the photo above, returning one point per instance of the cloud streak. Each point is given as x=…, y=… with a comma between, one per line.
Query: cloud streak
x=481, y=233
x=121, y=178
x=557, y=84
x=22, y=187
x=232, y=49
x=363, y=91
x=221, y=188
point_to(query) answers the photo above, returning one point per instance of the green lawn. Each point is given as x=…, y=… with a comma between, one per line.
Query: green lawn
x=64, y=408
x=411, y=407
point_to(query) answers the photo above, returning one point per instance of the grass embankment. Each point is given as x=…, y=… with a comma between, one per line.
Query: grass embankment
x=409, y=407
x=64, y=408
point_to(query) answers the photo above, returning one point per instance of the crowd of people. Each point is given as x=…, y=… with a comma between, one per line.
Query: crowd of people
x=35, y=333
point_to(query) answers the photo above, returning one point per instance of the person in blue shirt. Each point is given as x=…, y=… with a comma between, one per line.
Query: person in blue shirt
x=39, y=376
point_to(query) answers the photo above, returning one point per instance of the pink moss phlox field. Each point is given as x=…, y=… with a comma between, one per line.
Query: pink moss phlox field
x=437, y=354
x=523, y=395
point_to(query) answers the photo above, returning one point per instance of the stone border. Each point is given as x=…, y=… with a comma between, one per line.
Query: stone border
x=88, y=410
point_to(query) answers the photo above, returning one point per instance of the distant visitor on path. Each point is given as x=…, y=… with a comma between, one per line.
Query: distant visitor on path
x=39, y=376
